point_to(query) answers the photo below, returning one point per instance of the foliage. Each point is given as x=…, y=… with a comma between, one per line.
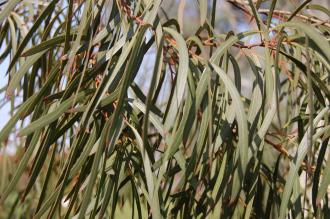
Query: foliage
x=233, y=124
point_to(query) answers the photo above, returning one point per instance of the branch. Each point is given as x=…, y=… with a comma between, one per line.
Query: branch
x=243, y=5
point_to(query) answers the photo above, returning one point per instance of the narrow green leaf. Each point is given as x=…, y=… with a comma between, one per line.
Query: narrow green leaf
x=52, y=116
x=294, y=167
x=203, y=11
x=17, y=77
x=181, y=75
